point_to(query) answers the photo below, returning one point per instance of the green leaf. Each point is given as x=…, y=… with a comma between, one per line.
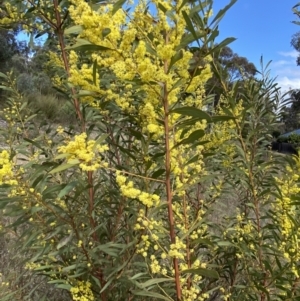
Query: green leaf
x=67, y=189
x=213, y=35
x=203, y=272
x=192, y=112
x=100, y=140
x=117, y=6
x=151, y=294
x=225, y=244
x=31, y=9
x=223, y=44
x=34, y=143
x=3, y=75
x=221, y=118
x=6, y=88
x=84, y=45
x=61, y=156
x=138, y=275
x=64, y=286
x=64, y=241
x=150, y=49
x=190, y=38
x=153, y=281
x=158, y=173
x=221, y=13
x=31, y=41
x=41, y=33
x=73, y=29
x=162, y=8
x=203, y=241
x=86, y=93
x=178, y=56
x=95, y=72
x=190, y=26
x=105, y=32
x=63, y=167
x=69, y=268
x=50, y=190
x=192, y=137
x=199, y=7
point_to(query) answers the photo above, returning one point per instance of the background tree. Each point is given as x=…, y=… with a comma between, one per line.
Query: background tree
x=231, y=67
x=290, y=116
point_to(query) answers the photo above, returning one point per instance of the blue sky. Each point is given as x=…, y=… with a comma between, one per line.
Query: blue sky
x=264, y=27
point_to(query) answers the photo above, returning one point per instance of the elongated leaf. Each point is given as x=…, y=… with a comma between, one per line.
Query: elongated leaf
x=100, y=140
x=158, y=173
x=117, y=6
x=33, y=143
x=151, y=294
x=95, y=72
x=88, y=47
x=73, y=29
x=64, y=241
x=221, y=118
x=69, y=268
x=84, y=45
x=105, y=32
x=63, y=167
x=221, y=13
x=150, y=49
x=178, y=56
x=64, y=286
x=67, y=189
x=223, y=44
x=61, y=156
x=193, y=112
x=41, y=33
x=203, y=272
x=3, y=75
x=154, y=281
x=190, y=38
x=193, y=137
x=199, y=7
x=190, y=26
x=6, y=88
x=162, y=8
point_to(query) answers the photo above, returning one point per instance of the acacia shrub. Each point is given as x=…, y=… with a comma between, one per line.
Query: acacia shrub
x=120, y=205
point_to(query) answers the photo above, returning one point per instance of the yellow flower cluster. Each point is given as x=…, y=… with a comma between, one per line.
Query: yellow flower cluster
x=11, y=14
x=286, y=212
x=6, y=169
x=178, y=249
x=193, y=293
x=31, y=265
x=134, y=55
x=155, y=265
x=87, y=152
x=128, y=190
x=82, y=291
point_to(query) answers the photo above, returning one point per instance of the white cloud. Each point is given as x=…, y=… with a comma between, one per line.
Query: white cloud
x=286, y=70
x=282, y=63
x=287, y=83
x=294, y=54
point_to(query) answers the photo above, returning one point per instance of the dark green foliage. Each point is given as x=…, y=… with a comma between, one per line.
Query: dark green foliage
x=290, y=116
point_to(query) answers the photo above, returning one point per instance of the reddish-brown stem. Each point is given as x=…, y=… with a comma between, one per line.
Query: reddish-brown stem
x=168, y=181
x=91, y=202
x=256, y=209
x=60, y=36
x=188, y=255
x=169, y=197
x=43, y=16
